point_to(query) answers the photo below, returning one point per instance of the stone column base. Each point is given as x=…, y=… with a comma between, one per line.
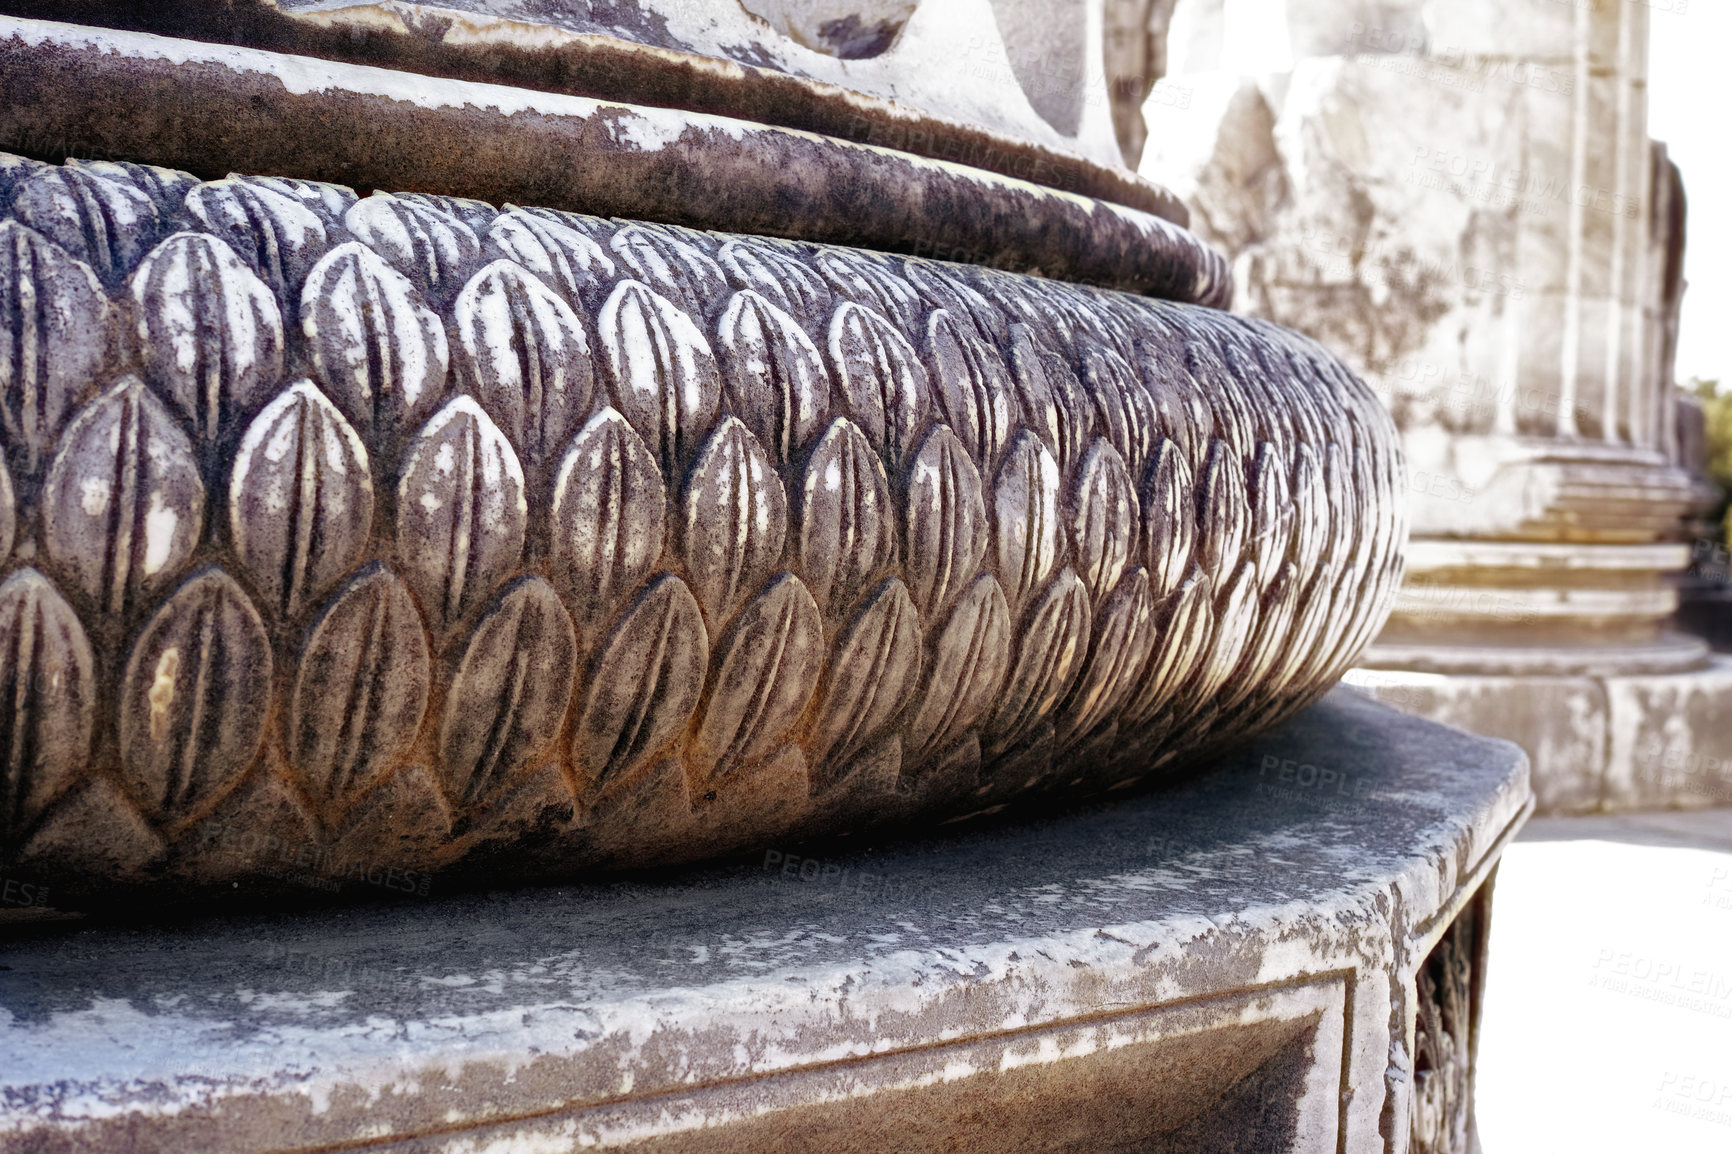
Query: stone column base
x=1286, y=954
x=1597, y=743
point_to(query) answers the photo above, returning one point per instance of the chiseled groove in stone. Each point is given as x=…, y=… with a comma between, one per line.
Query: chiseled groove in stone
x=702, y=530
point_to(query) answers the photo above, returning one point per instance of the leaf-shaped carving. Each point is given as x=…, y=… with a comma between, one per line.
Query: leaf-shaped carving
x=609, y=517
x=379, y=350
x=946, y=522
x=960, y=299
x=1271, y=512
x=105, y=223
x=430, y=247
x=1236, y=617
x=477, y=214
x=663, y=375
x=969, y=661
x=1051, y=649
x=195, y=697
x=735, y=519
x=48, y=676
x=210, y=332
x=1124, y=413
x=1186, y=628
x=681, y=272
x=166, y=187
x=775, y=378
x=1169, y=518
x=1124, y=636
x=361, y=689
x=509, y=697
x=1310, y=511
x=1034, y=395
x=847, y=525
x=1104, y=519
x=857, y=276
x=646, y=683
x=300, y=498
x=54, y=322
x=1025, y=518
x=880, y=379
x=1223, y=513
x=1263, y=649
x=278, y=235
x=8, y=510
x=14, y=171
x=329, y=201
x=972, y=387
x=876, y=667
x=569, y=260
x=767, y=670
x=461, y=512
x=522, y=353
x=778, y=278
x=123, y=502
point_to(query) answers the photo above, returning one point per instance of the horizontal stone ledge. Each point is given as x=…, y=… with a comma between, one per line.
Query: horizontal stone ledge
x=89, y=93
x=1119, y=966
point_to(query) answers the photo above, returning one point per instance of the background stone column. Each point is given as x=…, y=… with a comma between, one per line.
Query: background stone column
x=1462, y=198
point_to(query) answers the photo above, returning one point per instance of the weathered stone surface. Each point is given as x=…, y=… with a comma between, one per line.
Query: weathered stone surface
x=1285, y=954
x=520, y=524
x=70, y=91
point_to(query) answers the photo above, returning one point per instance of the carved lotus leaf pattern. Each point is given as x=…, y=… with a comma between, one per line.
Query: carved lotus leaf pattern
x=362, y=687
x=522, y=352
x=377, y=349
x=735, y=518
x=209, y=330
x=569, y=261
x=123, y=503
x=53, y=337
x=775, y=378
x=48, y=674
x=882, y=378
x=430, y=247
x=300, y=498
x=969, y=660
x=646, y=683
x=540, y=541
x=461, y=510
x=195, y=696
x=847, y=523
x=276, y=234
x=661, y=370
x=766, y=670
x=874, y=672
x=107, y=224
x=509, y=696
x=945, y=522
x=609, y=517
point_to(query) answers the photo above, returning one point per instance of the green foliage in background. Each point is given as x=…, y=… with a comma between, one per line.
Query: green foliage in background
x=1717, y=408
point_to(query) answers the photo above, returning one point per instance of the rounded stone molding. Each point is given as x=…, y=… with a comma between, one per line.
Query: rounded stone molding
x=407, y=533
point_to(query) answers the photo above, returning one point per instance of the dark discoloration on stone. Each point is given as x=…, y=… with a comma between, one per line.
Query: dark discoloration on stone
x=1251, y=911
x=605, y=57
x=212, y=112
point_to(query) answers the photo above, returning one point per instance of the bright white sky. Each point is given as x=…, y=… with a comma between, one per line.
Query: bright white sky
x=1687, y=108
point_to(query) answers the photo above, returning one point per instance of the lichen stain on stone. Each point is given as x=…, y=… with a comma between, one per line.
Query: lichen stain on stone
x=161, y=695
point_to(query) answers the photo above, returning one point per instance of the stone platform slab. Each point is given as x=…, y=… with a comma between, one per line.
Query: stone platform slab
x=1598, y=744
x=1236, y=963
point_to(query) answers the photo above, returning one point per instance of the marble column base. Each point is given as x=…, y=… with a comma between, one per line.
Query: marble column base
x=1598, y=743
x=1285, y=954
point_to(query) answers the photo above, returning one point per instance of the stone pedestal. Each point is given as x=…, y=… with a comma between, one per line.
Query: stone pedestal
x=1462, y=197
x=1283, y=955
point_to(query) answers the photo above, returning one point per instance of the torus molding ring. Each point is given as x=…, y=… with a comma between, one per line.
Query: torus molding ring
x=408, y=532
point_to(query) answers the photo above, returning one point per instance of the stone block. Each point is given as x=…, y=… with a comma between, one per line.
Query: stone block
x=1273, y=957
